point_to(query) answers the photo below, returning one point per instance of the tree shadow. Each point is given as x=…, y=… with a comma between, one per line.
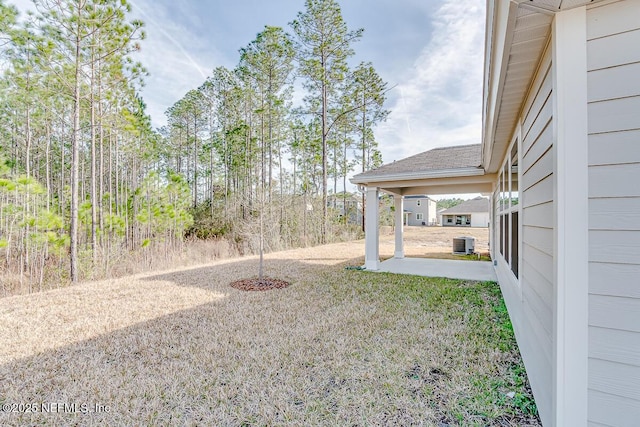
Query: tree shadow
x=218, y=275
x=188, y=367
x=316, y=352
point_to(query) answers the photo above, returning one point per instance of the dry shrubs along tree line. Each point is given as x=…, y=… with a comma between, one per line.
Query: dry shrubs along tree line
x=85, y=181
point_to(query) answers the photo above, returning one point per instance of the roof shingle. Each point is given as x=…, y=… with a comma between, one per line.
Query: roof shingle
x=460, y=156
x=479, y=204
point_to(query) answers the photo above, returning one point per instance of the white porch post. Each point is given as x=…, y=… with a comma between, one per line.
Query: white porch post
x=571, y=266
x=371, y=237
x=399, y=225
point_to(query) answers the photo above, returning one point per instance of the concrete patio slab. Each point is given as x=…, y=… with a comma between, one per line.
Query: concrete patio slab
x=453, y=269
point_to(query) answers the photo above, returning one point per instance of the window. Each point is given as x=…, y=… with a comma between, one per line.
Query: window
x=507, y=209
x=419, y=216
x=514, y=199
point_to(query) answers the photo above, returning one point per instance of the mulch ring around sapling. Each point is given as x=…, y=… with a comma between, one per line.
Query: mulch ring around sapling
x=256, y=284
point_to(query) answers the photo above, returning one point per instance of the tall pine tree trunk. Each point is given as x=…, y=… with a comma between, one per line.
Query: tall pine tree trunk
x=75, y=161
x=92, y=126
x=323, y=227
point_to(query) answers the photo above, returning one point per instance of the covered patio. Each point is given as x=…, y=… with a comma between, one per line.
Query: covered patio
x=482, y=271
x=450, y=170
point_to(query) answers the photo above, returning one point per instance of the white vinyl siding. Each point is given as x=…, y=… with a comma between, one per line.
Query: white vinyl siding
x=480, y=219
x=530, y=302
x=614, y=212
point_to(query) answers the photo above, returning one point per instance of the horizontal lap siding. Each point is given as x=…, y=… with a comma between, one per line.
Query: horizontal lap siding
x=531, y=307
x=614, y=279
x=612, y=410
x=614, y=345
x=613, y=60
x=614, y=148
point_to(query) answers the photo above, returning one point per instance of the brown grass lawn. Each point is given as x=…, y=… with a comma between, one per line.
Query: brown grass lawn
x=337, y=347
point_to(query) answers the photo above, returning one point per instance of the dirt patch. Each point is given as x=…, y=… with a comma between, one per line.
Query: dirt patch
x=255, y=284
x=432, y=242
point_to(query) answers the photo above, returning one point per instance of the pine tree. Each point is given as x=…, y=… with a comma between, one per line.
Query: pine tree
x=368, y=91
x=267, y=63
x=324, y=45
x=72, y=25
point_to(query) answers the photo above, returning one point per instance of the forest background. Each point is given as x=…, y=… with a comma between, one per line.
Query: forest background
x=88, y=189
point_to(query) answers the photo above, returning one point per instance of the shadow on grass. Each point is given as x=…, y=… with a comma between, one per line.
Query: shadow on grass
x=189, y=366
x=217, y=277
x=337, y=347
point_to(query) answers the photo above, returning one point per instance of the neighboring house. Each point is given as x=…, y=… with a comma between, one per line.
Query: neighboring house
x=560, y=155
x=470, y=213
x=347, y=205
x=420, y=210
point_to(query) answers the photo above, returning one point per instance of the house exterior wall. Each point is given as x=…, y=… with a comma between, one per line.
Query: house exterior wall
x=542, y=299
x=480, y=219
x=452, y=220
x=427, y=208
x=530, y=298
x=475, y=219
x=613, y=62
x=433, y=212
x=353, y=210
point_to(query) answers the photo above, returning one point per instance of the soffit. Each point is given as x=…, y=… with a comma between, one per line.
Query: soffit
x=556, y=5
x=530, y=36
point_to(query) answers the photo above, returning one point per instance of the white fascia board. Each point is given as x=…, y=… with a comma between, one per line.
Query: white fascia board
x=441, y=173
x=497, y=51
x=488, y=52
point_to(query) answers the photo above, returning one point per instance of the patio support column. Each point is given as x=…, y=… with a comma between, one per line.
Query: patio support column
x=371, y=233
x=399, y=225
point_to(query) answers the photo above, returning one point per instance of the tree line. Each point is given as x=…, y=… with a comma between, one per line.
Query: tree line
x=86, y=180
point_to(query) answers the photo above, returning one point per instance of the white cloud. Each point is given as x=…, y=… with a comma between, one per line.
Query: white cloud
x=177, y=58
x=438, y=101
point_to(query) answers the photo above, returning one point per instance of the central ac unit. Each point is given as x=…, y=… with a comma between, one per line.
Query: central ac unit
x=463, y=245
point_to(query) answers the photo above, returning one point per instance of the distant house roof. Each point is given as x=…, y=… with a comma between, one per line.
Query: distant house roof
x=477, y=205
x=438, y=159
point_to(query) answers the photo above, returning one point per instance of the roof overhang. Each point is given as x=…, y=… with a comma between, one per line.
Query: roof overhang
x=433, y=182
x=439, y=173
x=517, y=33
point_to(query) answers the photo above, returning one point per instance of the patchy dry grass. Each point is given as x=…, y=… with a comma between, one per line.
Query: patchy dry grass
x=337, y=347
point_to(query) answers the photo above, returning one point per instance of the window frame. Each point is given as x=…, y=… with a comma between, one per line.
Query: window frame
x=508, y=208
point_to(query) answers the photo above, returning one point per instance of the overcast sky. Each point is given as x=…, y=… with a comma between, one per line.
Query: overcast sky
x=430, y=51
